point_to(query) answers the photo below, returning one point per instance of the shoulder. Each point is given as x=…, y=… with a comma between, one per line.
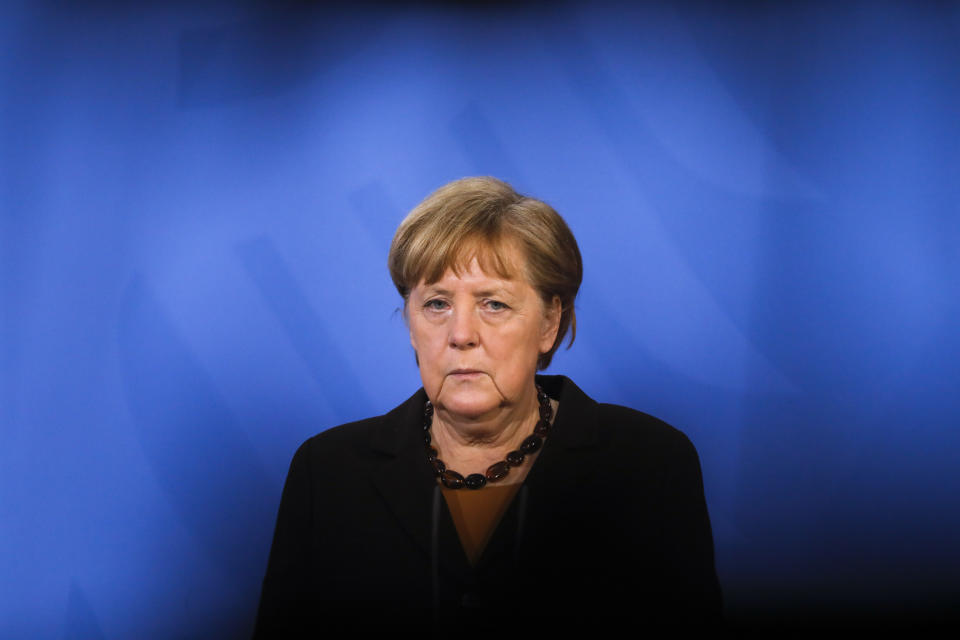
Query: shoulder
x=635, y=439
x=588, y=418
x=619, y=432
x=367, y=439
x=335, y=453
x=624, y=423
x=339, y=440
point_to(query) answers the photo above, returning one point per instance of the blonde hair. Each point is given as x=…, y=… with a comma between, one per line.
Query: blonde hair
x=484, y=218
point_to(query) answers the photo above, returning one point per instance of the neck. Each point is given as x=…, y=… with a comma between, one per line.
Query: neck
x=486, y=439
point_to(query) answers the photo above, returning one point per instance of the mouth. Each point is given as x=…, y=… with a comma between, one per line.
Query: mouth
x=465, y=373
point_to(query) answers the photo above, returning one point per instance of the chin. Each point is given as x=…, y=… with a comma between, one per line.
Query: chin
x=469, y=404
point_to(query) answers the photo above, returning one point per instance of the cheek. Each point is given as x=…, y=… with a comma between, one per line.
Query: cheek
x=424, y=342
x=521, y=345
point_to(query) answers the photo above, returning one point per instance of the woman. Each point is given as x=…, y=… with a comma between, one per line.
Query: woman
x=493, y=499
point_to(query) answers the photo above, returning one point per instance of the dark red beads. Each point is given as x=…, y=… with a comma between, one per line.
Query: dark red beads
x=497, y=471
x=451, y=479
x=475, y=481
x=531, y=444
x=515, y=458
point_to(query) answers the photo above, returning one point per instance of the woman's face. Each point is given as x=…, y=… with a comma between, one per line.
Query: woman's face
x=477, y=338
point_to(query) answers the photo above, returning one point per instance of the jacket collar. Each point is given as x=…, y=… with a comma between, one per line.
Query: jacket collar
x=397, y=431
x=575, y=424
x=403, y=478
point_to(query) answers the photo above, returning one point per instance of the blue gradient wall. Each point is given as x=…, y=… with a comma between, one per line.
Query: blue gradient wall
x=195, y=208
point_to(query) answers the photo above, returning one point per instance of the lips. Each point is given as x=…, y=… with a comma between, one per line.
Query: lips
x=465, y=372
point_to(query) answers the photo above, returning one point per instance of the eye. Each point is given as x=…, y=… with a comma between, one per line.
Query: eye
x=435, y=305
x=495, y=305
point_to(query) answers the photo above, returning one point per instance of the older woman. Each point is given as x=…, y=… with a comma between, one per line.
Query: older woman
x=493, y=499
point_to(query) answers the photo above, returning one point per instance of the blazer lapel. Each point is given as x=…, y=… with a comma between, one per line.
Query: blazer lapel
x=557, y=469
x=407, y=485
x=573, y=429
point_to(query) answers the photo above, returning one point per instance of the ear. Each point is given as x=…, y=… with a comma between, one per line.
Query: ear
x=551, y=324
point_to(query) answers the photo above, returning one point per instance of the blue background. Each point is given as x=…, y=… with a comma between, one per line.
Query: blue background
x=196, y=202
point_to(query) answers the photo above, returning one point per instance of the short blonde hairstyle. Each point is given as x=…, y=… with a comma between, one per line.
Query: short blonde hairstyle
x=483, y=218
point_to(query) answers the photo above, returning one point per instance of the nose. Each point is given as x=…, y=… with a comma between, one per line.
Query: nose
x=463, y=329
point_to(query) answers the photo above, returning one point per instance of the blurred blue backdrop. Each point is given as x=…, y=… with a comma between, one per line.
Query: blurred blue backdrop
x=197, y=201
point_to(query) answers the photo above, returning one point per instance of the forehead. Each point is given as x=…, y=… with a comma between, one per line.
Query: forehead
x=496, y=256
x=502, y=261
x=473, y=275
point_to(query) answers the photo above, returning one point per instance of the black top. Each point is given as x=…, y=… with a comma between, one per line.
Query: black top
x=609, y=526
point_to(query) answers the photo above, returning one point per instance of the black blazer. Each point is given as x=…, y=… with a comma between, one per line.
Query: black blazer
x=610, y=526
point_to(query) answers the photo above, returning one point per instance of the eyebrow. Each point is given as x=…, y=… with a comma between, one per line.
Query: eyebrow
x=498, y=291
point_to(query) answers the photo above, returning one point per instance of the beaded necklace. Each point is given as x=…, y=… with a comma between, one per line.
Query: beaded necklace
x=498, y=470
